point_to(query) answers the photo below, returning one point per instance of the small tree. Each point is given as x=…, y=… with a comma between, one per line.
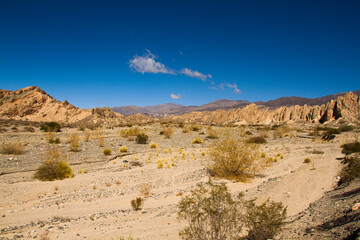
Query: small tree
x=211, y=213
x=50, y=127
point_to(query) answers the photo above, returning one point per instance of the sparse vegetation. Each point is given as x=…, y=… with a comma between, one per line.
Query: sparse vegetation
x=54, y=166
x=131, y=132
x=15, y=148
x=212, y=133
x=307, y=160
x=137, y=203
x=145, y=189
x=87, y=135
x=142, y=138
x=50, y=127
x=197, y=140
x=232, y=159
x=351, y=171
x=153, y=145
x=349, y=148
x=107, y=151
x=258, y=140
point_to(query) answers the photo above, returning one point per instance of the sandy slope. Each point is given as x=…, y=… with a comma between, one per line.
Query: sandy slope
x=76, y=209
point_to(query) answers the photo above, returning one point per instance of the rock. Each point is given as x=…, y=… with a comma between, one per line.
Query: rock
x=355, y=207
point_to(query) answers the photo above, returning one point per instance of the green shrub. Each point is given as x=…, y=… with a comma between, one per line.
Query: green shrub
x=50, y=127
x=107, y=151
x=264, y=221
x=54, y=166
x=153, y=145
x=15, y=148
x=307, y=160
x=137, y=203
x=256, y=140
x=351, y=171
x=142, y=138
x=349, y=148
x=231, y=159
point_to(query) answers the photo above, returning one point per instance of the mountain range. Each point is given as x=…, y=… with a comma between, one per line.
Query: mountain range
x=226, y=104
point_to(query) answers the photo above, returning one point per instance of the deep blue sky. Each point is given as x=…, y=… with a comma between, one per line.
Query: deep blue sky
x=82, y=50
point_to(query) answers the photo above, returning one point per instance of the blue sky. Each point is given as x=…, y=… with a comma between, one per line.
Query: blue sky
x=116, y=53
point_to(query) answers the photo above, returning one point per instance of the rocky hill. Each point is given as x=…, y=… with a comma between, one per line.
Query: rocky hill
x=34, y=104
x=225, y=104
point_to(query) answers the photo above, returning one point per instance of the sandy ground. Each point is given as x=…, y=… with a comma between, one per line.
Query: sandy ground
x=96, y=204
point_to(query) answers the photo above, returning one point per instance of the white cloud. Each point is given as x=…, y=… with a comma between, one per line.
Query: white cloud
x=174, y=96
x=148, y=64
x=213, y=88
x=221, y=86
x=234, y=87
x=195, y=74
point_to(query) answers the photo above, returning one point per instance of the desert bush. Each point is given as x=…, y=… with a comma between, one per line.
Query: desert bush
x=232, y=159
x=107, y=151
x=54, y=166
x=349, y=148
x=315, y=151
x=14, y=147
x=351, y=171
x=249, y=133
x=142, y=138
x=212, y=133
x=74, y=142
x=153, y=145
x=264, y=221
x=87, y=135
x=123, y=149
x=137, y=203
x=101, y=139
x=211, y=213
x=258, y=139
x=81, y=127
x=264, y=133
x=29, y=129
x=280, y=131
x=51, y=137
x=131, y=132
x=168, y=132
x=145, y=189
x=136, y=163
x=197, y=140
x=307, y=160
x=50, y=127
x=346, y=128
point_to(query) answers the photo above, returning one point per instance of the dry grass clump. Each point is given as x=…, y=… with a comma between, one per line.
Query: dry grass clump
x=264, y=133
x=123, y=149
x=197, y=140
x=231, y=159
x=131, y=132
x=54, y=166
x=280, y=131
x=315, y=151
x=15, y=148
x=168, y=132
x=137, y=203
x=212, y=133
x=51, y=137
x=107, y=151
x=258, y=140
x=145, y=189
x=153, y=145
x=74, y=142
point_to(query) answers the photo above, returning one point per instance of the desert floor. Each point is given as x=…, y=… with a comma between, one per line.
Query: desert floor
x=96, y=204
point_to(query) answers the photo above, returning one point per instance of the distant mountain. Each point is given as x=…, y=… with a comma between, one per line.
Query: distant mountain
x=226, y=104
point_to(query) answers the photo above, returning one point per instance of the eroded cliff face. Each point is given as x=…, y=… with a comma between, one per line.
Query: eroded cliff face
x=34, y=104
x=346, y=107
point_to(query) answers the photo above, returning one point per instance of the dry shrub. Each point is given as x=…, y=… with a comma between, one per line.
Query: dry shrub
x=101, y=139
x=136, y=163
x=15, y=148
x=168, y=132
x=264, y=133
x=212, y=213
x=197, y=140
x=51, y=137
x=351, y=171
x=142, y=138
x=235, y=160
x=153, y=145
x=87, y=135
x=137, y=203
x=258, y=140
x=280, y=131
x=349, y=148
x=145, y=189
x=131, y=132
x=187, y=128
x=212, y=133
x=74, y=142
x=54, y=166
